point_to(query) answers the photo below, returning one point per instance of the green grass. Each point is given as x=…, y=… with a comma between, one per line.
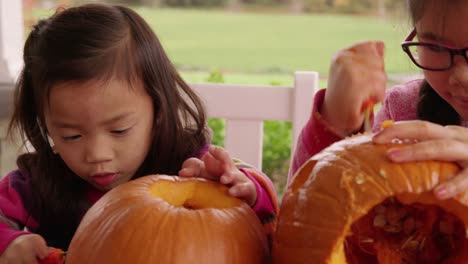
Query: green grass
x=262, y=48
x=271, y=43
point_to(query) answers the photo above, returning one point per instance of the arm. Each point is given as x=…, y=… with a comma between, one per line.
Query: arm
x=13, y=216
x=356, y=76
x=316, y=135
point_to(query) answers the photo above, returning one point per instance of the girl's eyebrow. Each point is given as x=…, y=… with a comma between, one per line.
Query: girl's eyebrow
x=432, y=36
x=65, y=124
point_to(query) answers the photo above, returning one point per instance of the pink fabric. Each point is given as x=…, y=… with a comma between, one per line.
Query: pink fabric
x=13, y=216
x=7, y=235
x=315, y=136
x=263, y=205
x=400, y=103
x=266, y=207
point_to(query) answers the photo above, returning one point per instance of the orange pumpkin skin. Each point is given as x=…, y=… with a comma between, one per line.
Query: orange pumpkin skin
x=194, y=221
x=341, y=184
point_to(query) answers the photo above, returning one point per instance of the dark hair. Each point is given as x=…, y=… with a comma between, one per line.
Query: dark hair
x=89, y=42
x=432, y=107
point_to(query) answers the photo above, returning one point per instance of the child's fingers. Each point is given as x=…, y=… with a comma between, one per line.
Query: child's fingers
x=192, y=167
x=368, y=47
x=369, y=54
x=454, y=186
x=244, y=191
x=223, y=156
x=213, y=166
x=437, y=149
x=414, y=130
x=234, y=176
x=40, y=246
x=228, y=178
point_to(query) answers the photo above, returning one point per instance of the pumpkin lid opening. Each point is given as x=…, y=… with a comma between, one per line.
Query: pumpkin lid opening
x=193, y=195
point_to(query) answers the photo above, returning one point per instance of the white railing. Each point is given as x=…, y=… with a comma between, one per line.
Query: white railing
x=244, y=107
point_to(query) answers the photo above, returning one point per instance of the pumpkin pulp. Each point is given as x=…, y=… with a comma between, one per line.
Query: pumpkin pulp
x=193, y=194
x=416, y=233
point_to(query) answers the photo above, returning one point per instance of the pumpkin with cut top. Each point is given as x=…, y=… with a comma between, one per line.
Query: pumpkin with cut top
x=350, y=204
x=168, y=219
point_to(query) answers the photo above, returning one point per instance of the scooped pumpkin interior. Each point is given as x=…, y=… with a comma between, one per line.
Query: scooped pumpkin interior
x=398, y=232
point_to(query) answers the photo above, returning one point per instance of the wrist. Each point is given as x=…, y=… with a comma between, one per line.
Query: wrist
x=328, y=118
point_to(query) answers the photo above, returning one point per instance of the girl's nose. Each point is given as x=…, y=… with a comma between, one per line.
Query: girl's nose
x=99, y=151
x=459, y=72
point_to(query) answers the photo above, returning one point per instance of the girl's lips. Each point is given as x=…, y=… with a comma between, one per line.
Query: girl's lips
x=104, y=179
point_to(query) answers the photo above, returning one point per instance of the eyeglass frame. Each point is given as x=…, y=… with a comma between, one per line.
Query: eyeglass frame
x=453, y=51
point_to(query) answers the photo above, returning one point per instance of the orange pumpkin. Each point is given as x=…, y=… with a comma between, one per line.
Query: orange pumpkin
x=167, y=219
x=350, y=204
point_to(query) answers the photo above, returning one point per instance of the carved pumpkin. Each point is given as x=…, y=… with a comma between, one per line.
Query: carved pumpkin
x=350, y=204
x=167, y=219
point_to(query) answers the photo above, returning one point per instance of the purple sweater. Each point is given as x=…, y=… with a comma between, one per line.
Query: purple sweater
x=15, y=198
x=400, y=103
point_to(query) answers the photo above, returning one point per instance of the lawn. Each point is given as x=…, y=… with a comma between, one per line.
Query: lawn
x=264, y=48
x=269, y=43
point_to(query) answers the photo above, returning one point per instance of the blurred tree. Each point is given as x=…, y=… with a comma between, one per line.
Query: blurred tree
x=381, y=8
x=296, y=6
x=234, y=5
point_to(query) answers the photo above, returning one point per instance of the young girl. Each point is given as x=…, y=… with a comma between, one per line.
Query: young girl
x=438, y=45
x=101, y=104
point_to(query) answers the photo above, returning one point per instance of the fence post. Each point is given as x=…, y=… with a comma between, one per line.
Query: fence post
x=305, y=85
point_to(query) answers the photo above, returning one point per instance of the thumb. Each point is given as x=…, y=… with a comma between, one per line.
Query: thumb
x=40, y=247
x=380, y=47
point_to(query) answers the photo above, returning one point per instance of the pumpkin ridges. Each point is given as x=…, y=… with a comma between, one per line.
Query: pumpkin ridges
x=352, y=199
x=175, y=235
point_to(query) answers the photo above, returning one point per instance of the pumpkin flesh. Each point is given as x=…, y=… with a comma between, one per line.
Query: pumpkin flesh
x=396, y=233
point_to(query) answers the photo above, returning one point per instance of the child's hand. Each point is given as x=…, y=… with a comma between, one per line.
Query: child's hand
x=217, y=165
x=356, y=76
x=55, y=256
x=25, y=249
x=434, y=142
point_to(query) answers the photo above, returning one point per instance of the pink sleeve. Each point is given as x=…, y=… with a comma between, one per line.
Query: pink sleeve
x=263, y=206
x=400, y=103
x=316, y=135
x=266, y=207
x=13, y=216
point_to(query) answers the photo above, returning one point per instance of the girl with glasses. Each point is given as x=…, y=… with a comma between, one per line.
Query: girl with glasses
x=432, y=110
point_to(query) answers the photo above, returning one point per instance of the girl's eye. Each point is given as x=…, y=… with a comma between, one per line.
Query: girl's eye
x=120, y=131
x=71, y=138
x=437, y=49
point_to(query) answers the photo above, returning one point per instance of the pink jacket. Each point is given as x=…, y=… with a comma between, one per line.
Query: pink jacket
x=400, y=103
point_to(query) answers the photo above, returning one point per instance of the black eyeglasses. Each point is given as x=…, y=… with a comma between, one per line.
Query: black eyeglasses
x=430, y=56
